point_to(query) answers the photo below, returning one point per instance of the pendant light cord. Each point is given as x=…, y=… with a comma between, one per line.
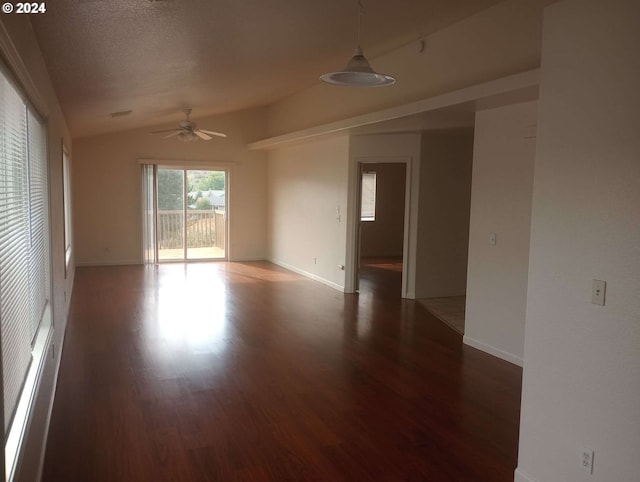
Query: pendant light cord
x=360, y=13
x=358, y=72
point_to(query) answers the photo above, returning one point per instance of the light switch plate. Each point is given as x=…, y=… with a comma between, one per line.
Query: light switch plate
x=598, y=291
x=586, y=460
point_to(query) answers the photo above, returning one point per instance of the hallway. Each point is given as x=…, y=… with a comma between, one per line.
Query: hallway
x=246, y=371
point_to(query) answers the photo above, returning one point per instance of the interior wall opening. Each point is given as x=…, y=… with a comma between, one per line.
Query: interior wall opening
x=381, y=230
x=443, y=232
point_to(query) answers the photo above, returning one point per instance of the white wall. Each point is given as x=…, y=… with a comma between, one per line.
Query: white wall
x=496, y=42
x=502, y=188
x=307, y=184
x=384, y=235
x=581, y=384
x=107, y=187
x=443, y=230
x=22, y=56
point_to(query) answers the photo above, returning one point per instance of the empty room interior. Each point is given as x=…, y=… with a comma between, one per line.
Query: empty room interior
x=224, y=258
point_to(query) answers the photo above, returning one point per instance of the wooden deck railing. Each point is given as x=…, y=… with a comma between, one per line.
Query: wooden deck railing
x=205, y=228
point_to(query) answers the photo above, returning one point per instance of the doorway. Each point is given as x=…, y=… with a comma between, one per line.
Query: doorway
x=381, y=228
x=190, y=214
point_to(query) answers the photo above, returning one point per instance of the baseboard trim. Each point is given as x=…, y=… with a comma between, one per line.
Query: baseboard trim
x=491, y=350
x=306, y=274
x=522, y=476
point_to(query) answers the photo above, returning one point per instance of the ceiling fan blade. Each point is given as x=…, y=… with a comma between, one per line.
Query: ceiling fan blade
x=212, y=133
x=175, y=133
x=163, y=131
x=202, y=135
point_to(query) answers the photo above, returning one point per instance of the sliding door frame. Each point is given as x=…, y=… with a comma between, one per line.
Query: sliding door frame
x=184, y=167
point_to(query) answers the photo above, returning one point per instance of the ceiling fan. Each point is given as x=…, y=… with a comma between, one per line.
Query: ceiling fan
x=187, y=131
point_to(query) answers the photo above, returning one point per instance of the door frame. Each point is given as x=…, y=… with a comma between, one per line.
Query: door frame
x=352, y=260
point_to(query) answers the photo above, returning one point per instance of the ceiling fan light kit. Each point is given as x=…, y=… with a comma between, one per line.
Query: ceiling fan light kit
x=358, y=72
x=188, y=131
x=187, y=137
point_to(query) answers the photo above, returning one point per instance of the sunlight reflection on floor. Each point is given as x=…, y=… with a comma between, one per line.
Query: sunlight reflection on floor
x=192, y=309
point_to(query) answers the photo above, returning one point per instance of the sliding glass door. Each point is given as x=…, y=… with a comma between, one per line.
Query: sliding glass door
x=206, y=214
x=190, y=214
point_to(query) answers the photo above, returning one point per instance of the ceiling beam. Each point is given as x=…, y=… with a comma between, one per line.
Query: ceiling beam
x=515, y=88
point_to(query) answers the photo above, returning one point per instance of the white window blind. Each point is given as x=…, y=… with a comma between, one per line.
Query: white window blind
x=39, y=220
x=24, y=239
x=14, y=248
x=368, y=200
x=148, y=214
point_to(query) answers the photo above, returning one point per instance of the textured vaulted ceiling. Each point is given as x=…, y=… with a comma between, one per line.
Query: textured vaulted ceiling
x=158, y=57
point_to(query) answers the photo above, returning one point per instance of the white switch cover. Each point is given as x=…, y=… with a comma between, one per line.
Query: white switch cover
x=598, y=291
x=586, y=460
x=492, y=239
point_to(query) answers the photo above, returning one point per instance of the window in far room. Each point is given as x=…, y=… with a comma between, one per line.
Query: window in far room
x=368, y=202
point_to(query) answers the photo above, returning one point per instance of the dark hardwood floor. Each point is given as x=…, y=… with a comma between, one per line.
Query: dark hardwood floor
x=245, y=371
x=380, y=278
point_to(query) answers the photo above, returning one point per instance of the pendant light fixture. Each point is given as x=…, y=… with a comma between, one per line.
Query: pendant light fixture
x=358, y=72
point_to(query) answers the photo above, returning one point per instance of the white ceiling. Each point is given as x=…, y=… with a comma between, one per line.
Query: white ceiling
x=156, y=57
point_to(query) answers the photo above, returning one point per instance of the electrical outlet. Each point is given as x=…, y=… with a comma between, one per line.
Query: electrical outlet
x=586, y=460
x=493, y=239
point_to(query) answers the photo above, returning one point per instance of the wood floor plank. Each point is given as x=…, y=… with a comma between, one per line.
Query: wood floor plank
x=246, y=371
